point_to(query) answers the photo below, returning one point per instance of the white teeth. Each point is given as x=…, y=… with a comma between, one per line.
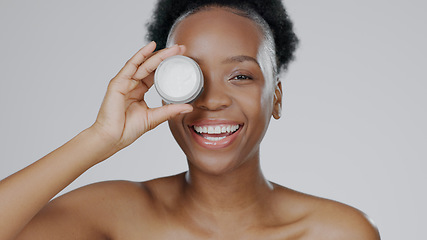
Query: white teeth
x=214, y=138
x=196, y=128
x=211, y=130
x=216, y=129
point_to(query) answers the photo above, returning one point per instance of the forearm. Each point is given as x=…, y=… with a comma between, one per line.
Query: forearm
x=24, y=193
x=124, y=117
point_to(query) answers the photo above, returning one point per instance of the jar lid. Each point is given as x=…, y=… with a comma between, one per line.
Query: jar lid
x=178, y=79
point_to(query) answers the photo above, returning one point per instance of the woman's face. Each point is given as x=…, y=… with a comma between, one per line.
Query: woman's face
x=232, y=114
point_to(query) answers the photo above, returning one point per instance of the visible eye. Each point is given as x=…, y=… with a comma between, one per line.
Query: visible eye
x=241, y=77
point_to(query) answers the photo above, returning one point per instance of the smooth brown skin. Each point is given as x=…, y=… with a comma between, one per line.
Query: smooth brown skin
x=223, y=196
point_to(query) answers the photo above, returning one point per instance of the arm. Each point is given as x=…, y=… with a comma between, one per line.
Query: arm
x=122, y=119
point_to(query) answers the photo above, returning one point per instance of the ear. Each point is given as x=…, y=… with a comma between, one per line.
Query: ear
x=277, y=102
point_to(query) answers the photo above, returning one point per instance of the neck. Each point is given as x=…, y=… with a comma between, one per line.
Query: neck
x=240, y=189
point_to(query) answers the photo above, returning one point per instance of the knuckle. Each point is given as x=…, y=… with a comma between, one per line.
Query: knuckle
x=114, y=84
x=149, y=69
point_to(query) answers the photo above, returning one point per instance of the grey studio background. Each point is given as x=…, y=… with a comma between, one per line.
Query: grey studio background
x=354, y=118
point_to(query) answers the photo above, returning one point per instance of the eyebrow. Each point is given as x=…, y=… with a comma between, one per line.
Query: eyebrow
x=233, y=59
x=240, y=58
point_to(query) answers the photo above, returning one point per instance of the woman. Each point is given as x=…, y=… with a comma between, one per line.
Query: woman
x=224, y=194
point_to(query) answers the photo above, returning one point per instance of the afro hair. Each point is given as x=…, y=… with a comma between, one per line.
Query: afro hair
x=272, y=11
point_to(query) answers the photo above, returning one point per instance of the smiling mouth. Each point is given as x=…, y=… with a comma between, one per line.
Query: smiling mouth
x=216, y=133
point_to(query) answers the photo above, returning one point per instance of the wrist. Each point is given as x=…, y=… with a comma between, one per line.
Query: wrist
x=99, y=144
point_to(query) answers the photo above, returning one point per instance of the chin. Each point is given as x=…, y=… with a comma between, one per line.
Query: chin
x=212, y=164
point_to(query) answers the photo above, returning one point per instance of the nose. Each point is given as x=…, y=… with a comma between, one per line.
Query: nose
x=214, y=96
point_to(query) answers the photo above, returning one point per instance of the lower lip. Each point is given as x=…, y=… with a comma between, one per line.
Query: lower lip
x=223, y=143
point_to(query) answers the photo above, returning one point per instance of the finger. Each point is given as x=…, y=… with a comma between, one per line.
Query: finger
x=161, y=114
x=125, y=84
x=137, y=93
x=153, y=62
x=123, y=81
x=182, y=49
x=148, y=81
x=140, y=89
x=134, y=62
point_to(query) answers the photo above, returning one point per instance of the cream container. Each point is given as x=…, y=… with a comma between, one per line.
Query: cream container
x=178, y=79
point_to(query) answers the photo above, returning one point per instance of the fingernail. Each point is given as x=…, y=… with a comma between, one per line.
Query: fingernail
x=186, y=111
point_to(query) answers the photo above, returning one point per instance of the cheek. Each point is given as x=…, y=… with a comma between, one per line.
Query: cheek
x=267, y=100
x=258, y=115
x=257, y=101
x=175, y=126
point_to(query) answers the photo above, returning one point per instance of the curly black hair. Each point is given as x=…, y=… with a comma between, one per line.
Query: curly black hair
x=272, y=11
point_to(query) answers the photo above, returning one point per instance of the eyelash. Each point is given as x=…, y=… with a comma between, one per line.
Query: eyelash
x=241, y=77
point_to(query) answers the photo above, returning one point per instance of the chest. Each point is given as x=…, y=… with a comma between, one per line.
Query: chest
x=169, y=231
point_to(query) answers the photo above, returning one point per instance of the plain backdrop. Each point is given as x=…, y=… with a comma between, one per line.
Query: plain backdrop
x=354, y=118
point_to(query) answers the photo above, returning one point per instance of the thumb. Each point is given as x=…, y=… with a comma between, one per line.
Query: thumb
x=161, y=114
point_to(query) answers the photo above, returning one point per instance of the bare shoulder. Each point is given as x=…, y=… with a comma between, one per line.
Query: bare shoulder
x=335, y=220
x=90, y=212
x=327, y=219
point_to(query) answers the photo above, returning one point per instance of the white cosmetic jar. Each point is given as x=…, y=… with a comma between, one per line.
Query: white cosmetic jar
x=178, y=79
